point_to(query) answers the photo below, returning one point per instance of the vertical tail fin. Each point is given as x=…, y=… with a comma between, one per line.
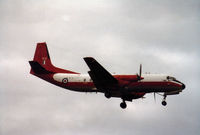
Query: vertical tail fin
x=41, y=63
x=42, y=55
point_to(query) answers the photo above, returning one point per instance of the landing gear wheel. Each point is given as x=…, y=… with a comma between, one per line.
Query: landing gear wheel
x=123, y=105
x=164, y=103
x=107, y=95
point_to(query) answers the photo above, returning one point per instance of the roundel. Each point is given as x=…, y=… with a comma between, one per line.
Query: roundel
x=65, y=80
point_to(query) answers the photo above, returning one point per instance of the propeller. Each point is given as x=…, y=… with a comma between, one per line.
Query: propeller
x=140, y=72
x=154, y=94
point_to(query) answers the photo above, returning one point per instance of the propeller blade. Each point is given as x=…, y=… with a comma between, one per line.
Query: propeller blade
x=139, y=76
x=140, y=70
x=154, y=97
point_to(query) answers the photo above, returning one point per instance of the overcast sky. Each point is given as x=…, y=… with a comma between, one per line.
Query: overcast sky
x=120, y=34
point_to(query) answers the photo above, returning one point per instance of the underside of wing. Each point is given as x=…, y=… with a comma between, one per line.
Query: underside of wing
x=100, y=76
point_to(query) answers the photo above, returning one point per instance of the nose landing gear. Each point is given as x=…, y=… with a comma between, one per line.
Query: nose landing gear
x=164, y=103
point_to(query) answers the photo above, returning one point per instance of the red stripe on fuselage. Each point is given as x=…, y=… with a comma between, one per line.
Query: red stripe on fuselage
x=162, y=86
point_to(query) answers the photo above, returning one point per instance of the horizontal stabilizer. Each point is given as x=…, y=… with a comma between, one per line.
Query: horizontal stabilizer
x=37, y=68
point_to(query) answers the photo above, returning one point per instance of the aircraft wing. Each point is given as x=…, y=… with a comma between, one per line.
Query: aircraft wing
x=100, y=76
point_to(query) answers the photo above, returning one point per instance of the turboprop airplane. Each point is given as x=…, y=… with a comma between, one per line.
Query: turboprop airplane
x=98, y=79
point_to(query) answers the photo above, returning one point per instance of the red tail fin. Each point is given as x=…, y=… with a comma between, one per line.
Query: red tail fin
x=42, y=62
x=42, y=55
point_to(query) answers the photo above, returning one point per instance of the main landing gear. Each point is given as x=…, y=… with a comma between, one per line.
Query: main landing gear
x=107, y=95
x=123, y=104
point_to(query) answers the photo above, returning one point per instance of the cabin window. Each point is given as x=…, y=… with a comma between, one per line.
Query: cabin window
x=84, y=80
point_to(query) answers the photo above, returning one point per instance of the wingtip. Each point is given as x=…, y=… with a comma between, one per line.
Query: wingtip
x=89, y=59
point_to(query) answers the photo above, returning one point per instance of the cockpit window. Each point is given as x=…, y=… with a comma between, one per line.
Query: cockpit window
x=170, y=78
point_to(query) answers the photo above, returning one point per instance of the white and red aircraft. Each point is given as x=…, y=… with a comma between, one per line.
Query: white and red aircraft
x=126, y=87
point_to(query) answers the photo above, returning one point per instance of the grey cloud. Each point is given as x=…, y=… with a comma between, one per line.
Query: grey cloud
x=162, y=35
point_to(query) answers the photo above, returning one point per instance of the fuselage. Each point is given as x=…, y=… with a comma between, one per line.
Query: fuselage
x=128, y=83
